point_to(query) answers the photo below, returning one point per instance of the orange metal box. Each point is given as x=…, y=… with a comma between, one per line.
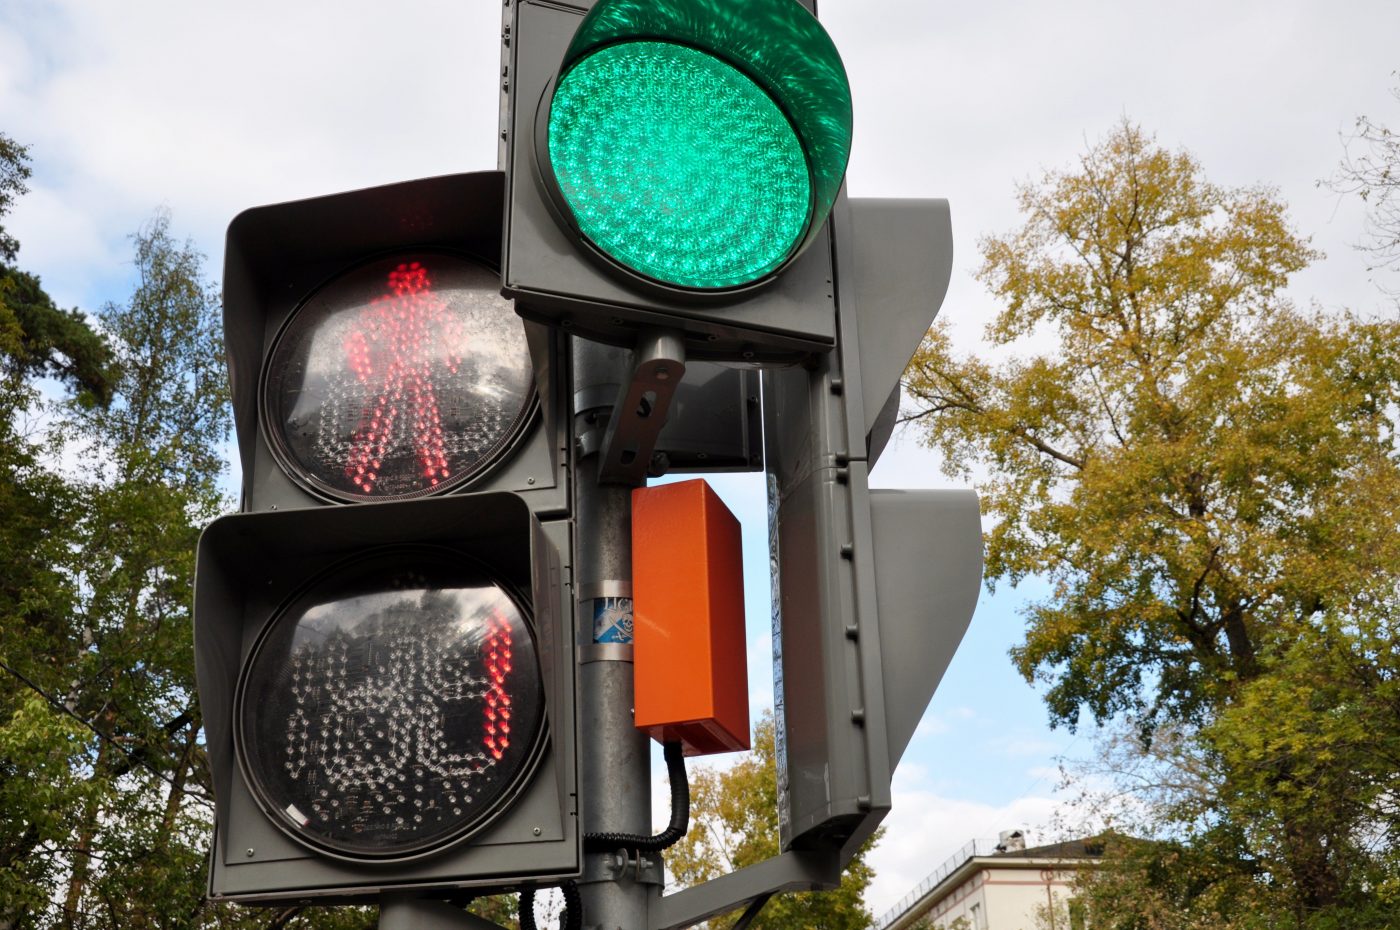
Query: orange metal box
x=689, y=655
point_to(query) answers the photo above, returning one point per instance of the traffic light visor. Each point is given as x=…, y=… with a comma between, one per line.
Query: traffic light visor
x=392, y=707
x=698, y=143
x=399, y=378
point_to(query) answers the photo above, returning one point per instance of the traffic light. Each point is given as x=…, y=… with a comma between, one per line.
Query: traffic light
x=657, y=152
x=672, y=165
x=873, y=588
x=384, y=644
x=385, y=637
x=372, y=357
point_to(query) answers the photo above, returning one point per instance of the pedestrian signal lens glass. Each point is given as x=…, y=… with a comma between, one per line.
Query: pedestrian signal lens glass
x=678, y=166
x=403, y=377
x=392, y=708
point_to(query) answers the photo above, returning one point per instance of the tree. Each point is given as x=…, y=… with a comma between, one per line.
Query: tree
x=105, y=803
x=734, y=823
x=1371, y=170
x=1208, y=477
x=151, y=460
x=42, y=747
x=36, y=337
x=14, y=171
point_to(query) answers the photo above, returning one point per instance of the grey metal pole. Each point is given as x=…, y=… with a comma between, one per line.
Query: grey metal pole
x=615, y=758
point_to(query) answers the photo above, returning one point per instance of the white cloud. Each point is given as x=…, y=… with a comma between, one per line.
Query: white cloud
x=63, y=239
x=932, y=725
x=15, y=63
x=927, y=827
x=1020, y=746
x=210, y=108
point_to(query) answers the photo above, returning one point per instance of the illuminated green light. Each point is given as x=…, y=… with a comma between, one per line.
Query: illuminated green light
x=678, y=166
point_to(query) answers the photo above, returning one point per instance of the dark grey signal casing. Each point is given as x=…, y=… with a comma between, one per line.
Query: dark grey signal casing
x=510, y=520
x=278, y=256
x=554, y=279
x=875, y=587
x=250, y=564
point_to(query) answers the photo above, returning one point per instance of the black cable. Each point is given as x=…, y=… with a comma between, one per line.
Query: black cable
x=572, y=918
x=573, y=907
x=132, y=759
x=680, y=814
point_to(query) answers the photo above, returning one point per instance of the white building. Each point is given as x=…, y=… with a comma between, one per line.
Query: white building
x=998, y=886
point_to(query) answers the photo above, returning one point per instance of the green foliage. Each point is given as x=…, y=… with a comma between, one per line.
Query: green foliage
x=40, y=339
x=41, y=752
x=1209, y=479
x=503, y=909
x=44, y=751
x=104, y=803
x=734, y=823
x=36, y=337
x=1175, y=886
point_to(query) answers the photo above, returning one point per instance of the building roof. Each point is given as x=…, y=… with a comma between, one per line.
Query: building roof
x=1090, y=847
x=984, y=854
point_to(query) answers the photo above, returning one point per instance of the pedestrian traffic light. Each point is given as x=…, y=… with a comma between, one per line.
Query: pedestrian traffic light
x=387, y=698
x=383, y=638
x=372, y=357
x=672, y=165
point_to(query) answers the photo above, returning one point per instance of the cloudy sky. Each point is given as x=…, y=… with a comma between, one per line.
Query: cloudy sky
x=211, y=107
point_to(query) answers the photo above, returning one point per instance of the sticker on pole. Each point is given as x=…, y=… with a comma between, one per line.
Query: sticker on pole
x=612, y=620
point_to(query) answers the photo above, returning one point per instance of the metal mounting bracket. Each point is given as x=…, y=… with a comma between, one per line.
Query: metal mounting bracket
x=658, y=364
x=796, y=870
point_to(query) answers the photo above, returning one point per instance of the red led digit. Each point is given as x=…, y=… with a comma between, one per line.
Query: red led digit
x=497, y=699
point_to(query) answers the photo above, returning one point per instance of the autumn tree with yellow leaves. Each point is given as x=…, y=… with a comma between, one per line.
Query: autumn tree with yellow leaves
x=734, y=823
x=1207, y=476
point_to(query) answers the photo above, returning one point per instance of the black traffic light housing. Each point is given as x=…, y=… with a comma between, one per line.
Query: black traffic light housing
x=252, y=565
x=259, y=573
x=279, y=256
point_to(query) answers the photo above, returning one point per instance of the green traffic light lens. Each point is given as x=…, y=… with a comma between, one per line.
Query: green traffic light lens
x=678, y=165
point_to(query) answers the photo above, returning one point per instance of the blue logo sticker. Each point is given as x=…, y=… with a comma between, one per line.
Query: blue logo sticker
x=612, y=620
